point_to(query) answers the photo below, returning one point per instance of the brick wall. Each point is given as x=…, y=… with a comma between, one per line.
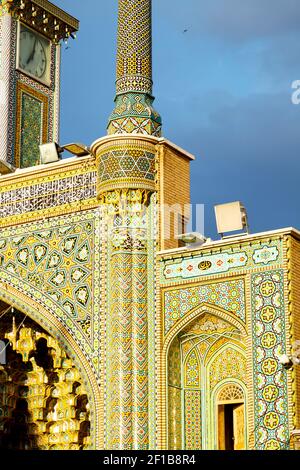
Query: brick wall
x=174, y=187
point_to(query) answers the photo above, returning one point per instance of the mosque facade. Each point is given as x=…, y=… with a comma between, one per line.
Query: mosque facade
x=113, y=334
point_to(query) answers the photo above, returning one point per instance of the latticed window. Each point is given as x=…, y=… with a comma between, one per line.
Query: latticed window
x=230, y=393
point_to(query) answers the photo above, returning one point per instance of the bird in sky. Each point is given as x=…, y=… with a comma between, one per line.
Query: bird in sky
x=185, y=31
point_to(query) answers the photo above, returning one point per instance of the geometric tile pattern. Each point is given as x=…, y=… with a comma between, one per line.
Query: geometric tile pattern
x=199, y=376
x=174, y=396
x=232, y=259
x=128, y=328
x=229, y=295
x=193, y=435
x=134, y=58
x=192, y=403
x=192, y=371
x=31, y=124
x=134, y=112
x=230, y=363
x=127, y=164
x=135, y=125
x=128, y=381
x=270, y=378
x=57, y=262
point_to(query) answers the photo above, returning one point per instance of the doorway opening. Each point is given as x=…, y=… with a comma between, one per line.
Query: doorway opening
x=43, y=400
x=231, y=418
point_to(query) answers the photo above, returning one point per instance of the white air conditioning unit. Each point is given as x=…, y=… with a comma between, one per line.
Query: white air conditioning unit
x=50, y=153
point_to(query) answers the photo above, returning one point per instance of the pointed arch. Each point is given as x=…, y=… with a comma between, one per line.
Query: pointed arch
x=197, y=312
x=49, y=320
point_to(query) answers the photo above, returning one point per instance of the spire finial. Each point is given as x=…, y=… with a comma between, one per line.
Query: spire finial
x=134, y=112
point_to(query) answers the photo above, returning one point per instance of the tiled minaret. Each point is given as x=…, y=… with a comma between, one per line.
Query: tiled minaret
x=127, y=169
x=138, y=171
x=134, y=112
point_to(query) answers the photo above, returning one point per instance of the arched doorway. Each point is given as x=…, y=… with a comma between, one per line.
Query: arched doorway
x=205, y=354
x=44, y=403
x=231, y=423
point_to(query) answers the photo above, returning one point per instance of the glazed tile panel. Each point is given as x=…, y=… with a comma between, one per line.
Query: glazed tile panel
x=228, y=295
x=229, y=260
x=271, y=430
x=56, y=263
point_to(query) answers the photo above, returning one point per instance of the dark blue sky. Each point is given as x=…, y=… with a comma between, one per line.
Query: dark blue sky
x=223, y=89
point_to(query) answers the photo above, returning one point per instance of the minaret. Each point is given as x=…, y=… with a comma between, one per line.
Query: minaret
x=137, y=171
x=134, y=112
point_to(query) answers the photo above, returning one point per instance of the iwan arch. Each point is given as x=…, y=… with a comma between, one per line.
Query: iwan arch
x=117, y=338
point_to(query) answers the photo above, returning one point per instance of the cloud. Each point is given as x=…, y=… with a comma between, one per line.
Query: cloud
x=247, y=149
x=279, y=59
x=258, y=127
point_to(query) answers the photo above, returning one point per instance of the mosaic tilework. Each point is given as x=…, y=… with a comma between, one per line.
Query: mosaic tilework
x=12, y=107
x=56, y=261
x=31, y=119
x=192, y=371
x=228, y=295
x=206, y=330
x=207, y=355
x=192, y=403
x=214, y=264
x=193, y=432
x=270, y=379
x=127, y=164
x=47, y=194
x=174, y=397
x=31, y=125
x=134, y=58
x=230, y=363
x=52, y=262
x=129, y=336
x=134, y=112
x=135, y=125
x=234, y=259
x=128, y=325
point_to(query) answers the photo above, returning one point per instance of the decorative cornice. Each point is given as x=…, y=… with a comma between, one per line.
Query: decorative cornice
x=42, y=15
